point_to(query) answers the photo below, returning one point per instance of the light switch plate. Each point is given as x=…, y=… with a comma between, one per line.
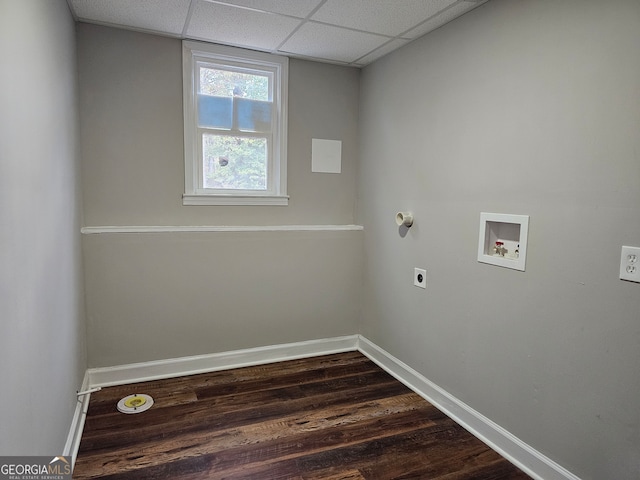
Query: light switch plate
x=630, y=264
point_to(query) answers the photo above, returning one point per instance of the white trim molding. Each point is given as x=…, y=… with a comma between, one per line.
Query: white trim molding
x=177, y=367
x=217, y=228
x=204, y=199
x=77, y=423
x=509, y=446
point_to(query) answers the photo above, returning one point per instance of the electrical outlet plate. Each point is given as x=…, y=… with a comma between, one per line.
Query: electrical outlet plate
x=420, y=277
x=630, y=264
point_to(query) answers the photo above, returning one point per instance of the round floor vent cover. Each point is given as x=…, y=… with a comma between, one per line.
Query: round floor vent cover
x=136, y=403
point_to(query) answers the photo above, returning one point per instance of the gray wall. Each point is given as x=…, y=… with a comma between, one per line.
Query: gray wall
x=42, y=350
x=523, y=107
x=156, y=296
x=132, y=137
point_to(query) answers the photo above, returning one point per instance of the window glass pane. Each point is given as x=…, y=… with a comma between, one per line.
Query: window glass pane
x=215, y=112
x=253, y=115
x=227, y=83
x=234, y=162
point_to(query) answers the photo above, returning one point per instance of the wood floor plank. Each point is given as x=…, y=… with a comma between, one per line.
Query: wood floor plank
x=200, y=442
x=356, y=449
x=331, y=417
x=191, y=424
x=338, y=474
x=246, y=399
x=106, y=431
x=276, y=457
x=219, y=384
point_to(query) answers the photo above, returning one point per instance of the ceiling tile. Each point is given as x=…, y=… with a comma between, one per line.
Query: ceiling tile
x=167, y=16
x=295, y=8
x=444, y=17
x=340, y=31
x=331, y=43
x=238, y=26
x=379, y=16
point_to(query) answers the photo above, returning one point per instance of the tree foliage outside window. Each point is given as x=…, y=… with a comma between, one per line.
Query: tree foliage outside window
x=228, y=83
x=234, y=162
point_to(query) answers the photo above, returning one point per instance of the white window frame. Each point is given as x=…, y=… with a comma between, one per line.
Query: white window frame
x=278, y=66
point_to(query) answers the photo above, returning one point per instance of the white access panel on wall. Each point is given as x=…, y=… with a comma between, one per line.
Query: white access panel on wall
x=326, y=156
x=503, y=240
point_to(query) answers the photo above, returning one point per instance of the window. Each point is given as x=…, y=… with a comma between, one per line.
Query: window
x=235, y=125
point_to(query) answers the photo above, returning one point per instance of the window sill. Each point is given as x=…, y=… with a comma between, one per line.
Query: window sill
x=235, y=200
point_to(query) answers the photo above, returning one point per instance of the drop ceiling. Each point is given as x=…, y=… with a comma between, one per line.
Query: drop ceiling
x=348, y=32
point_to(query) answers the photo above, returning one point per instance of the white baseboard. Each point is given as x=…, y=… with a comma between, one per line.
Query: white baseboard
x=77, y=423
x=515, y=450
x=176, y=367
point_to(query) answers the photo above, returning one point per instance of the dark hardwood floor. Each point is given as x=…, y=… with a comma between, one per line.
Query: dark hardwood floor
x=331, y=417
